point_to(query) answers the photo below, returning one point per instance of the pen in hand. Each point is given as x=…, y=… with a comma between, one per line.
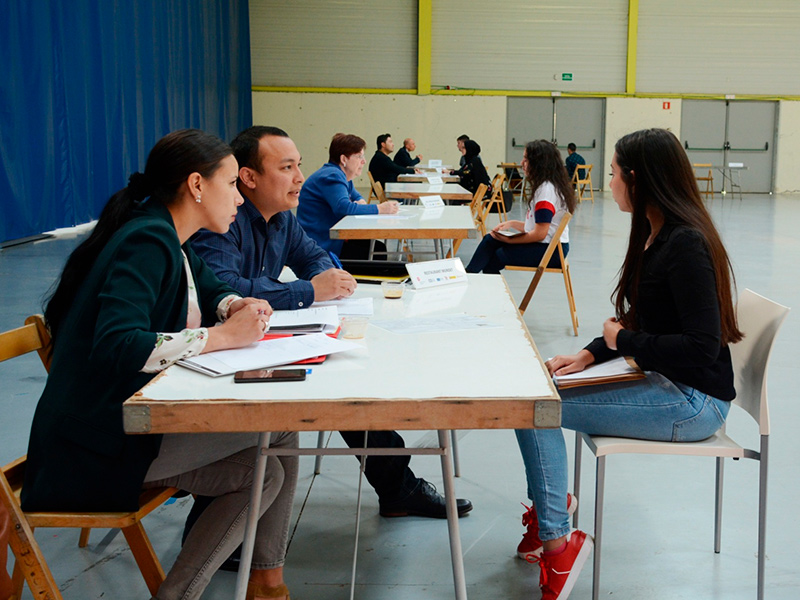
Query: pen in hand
x=336, y=262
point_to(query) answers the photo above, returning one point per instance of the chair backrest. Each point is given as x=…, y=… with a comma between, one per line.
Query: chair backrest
x=477, y=200
x=554, y=243
x=378, y=189
x=760, y=319
x=32, y=336
x=586, y=177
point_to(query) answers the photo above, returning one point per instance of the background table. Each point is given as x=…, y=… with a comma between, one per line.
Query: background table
x=412, y=191
x=408, y=178
x=441, y=381
x=411, y=223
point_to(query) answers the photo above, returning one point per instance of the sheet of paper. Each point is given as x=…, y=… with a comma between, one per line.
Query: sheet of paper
x=617, y=366
x=350, y=306
x=327, y=315
x=439, y=324
x=269, y=353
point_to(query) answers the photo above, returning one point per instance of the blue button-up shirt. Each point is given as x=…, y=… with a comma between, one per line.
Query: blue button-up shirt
x=251, y=256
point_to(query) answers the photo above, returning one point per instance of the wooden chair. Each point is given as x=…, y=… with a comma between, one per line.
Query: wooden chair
x=375, y=190
x=760, y=319
x=583, y=181
x=30, y=564
x=708, y=177
x=555, y=244
x=496, y=199
x=477, y=214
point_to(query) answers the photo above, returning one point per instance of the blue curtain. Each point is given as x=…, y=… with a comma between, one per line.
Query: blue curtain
x=91, y=85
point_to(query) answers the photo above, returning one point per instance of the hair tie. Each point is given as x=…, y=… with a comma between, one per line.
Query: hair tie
x=139, y=185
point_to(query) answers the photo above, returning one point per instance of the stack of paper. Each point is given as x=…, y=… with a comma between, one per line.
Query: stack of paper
x=317, y=319
x=269, y=353
x=612, y=371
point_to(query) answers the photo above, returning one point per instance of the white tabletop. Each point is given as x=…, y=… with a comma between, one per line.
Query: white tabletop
x=489, y=377
x=425, y=189
x=414, y=178
x=411, y=222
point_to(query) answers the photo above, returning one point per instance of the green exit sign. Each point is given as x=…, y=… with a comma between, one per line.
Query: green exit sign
x=566, y=77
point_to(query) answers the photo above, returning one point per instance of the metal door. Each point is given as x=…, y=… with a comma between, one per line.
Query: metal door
x=722, y=132
x=560, y=120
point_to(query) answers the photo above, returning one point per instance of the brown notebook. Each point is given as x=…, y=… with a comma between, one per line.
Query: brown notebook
x=612, y=371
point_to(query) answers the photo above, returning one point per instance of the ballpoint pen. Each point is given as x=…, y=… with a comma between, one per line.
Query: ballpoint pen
x=336, y=262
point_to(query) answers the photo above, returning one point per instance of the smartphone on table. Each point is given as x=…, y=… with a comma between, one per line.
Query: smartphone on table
x=265, y=375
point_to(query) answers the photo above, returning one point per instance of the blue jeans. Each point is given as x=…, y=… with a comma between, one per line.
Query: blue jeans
x=653, y=408
x=491, y=256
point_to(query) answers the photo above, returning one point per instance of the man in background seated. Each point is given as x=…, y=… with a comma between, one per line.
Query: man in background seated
x=263, y=239
x=5, y=533
x=381, y=166
x=460, y=143
x=403, y=156
x=573, y=159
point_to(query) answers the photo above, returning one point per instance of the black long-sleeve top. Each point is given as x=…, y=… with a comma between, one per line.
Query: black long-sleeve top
x=384, y=169
x=473, y=174
x=403, y=158
x=678, y=328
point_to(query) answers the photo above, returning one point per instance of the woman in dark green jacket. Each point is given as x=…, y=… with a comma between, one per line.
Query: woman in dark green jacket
x=132, y=300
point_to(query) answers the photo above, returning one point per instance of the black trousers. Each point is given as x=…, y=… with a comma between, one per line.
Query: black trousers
x=389, y=475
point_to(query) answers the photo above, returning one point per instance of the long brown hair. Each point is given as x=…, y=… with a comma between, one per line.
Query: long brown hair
x=545, y=164
x=657, y=173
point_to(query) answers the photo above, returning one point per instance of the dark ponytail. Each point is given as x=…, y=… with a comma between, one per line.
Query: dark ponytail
x=171, y=161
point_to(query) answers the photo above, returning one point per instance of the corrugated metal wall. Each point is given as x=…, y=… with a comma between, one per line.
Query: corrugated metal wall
x=719, y=47
x=334, y=43
x=528, y=45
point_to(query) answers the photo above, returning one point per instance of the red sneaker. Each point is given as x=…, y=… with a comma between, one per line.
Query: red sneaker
x=531, y=546
x=560, y=571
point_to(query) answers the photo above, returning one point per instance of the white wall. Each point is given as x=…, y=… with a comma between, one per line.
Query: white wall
x=434, y=122
x=787, y=154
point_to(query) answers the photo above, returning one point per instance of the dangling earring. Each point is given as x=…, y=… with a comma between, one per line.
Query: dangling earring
x=198, y=199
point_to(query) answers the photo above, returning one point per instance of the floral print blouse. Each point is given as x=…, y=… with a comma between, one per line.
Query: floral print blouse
x=171, y=347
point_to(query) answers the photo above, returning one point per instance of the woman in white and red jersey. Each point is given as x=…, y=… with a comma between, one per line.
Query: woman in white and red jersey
x=521, y=243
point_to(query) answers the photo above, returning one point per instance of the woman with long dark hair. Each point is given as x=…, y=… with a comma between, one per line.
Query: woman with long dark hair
x=674, y=315
x=132, y=300
x=472, y=173
x=552, y=197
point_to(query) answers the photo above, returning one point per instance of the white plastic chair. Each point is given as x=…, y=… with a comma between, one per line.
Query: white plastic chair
x=759, y=319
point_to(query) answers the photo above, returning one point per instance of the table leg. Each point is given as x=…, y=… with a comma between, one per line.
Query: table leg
x=371, y=249
x=252, y=517
x=459, y=581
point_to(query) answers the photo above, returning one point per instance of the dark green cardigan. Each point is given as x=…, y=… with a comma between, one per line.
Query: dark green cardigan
x=79, y=457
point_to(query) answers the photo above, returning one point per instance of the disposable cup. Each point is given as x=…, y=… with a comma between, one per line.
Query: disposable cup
x=354, y=327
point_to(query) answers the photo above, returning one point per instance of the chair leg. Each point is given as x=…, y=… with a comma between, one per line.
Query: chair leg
x=29, y=564
x=718, y=505
x=83, y=540
x=573, y=311
x=17, y=581
x=600, y=484
x=531, y=288
x=318, y=461
x=576, y=478
x=145, y=556
x=762, y=513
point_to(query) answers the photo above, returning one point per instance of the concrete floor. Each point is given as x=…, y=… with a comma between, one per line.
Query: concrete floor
x=659, y=510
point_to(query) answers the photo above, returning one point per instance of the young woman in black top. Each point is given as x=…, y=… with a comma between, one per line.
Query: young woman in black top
x=674, y=315
x=473, y=173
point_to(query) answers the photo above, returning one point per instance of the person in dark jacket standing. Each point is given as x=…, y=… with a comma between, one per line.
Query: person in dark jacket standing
x=403, y=156
x=132, y=300
x=382, y=167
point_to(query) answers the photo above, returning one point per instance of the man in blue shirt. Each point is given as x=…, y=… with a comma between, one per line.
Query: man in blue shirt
x=573, y=159
x=266, y=236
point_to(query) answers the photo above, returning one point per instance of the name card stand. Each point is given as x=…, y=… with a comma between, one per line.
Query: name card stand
x=432, y=273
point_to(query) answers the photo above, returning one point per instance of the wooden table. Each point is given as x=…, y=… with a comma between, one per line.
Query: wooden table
x=412, y=191
x=411, y=223
x=436, y=386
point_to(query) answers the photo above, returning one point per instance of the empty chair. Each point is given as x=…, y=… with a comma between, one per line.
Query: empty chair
x=703, y=173
x=582, y=180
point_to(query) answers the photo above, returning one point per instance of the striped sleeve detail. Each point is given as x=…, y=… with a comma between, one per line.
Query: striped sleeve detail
x=544, y=211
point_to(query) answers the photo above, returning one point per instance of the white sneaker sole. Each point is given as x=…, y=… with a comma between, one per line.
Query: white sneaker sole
x=577, y=566
x=534, y=555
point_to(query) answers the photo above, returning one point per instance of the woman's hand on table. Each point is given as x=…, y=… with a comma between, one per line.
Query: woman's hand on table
x=248, y=321
x=573, y=363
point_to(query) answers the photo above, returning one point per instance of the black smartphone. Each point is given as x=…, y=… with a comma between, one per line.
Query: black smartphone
x=264, y=375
